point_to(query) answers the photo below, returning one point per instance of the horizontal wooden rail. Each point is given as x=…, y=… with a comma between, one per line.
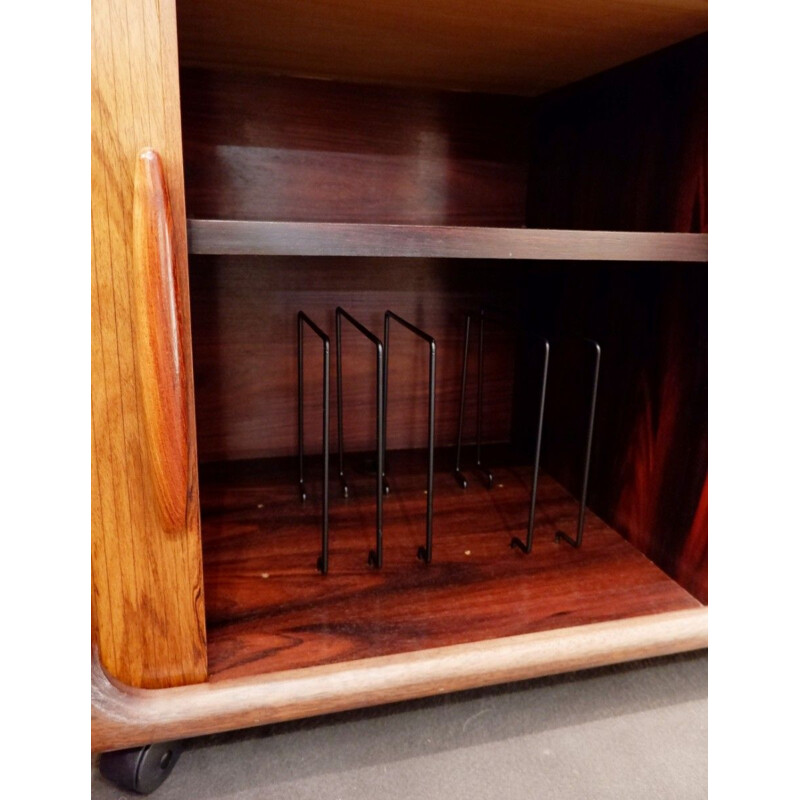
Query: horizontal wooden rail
x=126, y=717
x=243, y=237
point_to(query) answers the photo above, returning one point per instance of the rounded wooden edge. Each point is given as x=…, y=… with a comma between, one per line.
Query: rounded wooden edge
x=161, y=363
x=126, y=717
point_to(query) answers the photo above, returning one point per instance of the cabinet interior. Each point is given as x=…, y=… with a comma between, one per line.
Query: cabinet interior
x=620, y=151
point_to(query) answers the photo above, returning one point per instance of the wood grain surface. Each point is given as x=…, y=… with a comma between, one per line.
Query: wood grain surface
x=269, y=610
x=267, y=148
x=512, y=46
x=160, y=358
x=482, y=613
x=628, y=149
x=244, y=339
x=147, y=590
x=239, y=237
x=625, y=150
x=125, y=717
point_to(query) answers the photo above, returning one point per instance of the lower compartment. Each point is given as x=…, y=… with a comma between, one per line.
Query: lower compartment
x=269, y=610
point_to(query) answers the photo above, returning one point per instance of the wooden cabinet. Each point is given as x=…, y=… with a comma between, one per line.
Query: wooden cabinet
x=258, y=159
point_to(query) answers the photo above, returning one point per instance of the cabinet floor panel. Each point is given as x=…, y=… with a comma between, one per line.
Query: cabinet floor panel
x=268, y=609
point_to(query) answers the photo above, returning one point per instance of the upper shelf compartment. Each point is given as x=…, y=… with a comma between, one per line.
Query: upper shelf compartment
x=523, y=47
x=369, y=170
x=245, y=237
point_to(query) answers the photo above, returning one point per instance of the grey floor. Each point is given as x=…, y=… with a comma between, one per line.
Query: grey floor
x=633, y=731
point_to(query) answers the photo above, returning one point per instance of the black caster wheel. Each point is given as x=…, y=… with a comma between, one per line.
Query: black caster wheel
x=140, y=769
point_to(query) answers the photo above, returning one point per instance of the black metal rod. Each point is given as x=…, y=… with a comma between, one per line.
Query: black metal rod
x=479, y=404
x=303, y=319
x=577, y=541
x=459, y=475
x=375, y=556
x=300, y=403
x=482, y=469
x=425, y=553
x=384, y=481
x=339, y=415
x=527, y=546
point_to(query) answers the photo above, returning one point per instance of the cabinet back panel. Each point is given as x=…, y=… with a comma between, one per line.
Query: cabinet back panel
x=245, y=357
x=259, y=147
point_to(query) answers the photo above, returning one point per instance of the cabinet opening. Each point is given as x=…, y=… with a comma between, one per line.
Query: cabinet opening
x=432, y=204
x=269, y=608
x=624, y=150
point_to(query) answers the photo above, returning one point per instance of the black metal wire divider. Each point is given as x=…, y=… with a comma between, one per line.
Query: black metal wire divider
x=303, y=319
x=375, y=557
x=560, y=535
x=425, y=553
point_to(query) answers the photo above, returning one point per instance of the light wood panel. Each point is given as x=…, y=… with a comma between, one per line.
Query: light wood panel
x=512, y=46
x=147, y=589
x=125, y=717
x=239, y=237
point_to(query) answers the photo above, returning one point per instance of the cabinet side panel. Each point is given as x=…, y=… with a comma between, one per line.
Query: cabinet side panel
x=627, y=150
x=148, y=614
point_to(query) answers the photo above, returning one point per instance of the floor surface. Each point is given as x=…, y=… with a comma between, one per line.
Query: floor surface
x=632, y=731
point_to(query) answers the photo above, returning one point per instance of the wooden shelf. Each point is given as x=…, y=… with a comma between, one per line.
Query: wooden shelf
x=245, y=237
x=269, y=610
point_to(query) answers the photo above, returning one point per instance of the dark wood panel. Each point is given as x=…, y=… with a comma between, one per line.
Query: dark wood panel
x=257, y=147
x=652, y=391
x=244, y=338
x=649, y=462
x=517, y=46
x=237, y=237
x=628, y=150
x=625, y=150
x=269, y=610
